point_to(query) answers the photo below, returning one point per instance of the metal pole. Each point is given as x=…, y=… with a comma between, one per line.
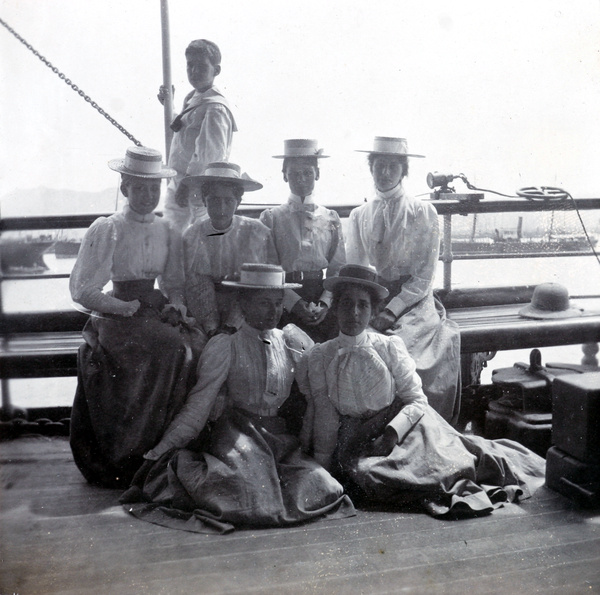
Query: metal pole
x=167, y=83
x=447, y=254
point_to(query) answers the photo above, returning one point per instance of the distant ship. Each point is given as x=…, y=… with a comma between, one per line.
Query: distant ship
x=523, y=245
x=515, y=243
x=24, y=253
x=67, y=248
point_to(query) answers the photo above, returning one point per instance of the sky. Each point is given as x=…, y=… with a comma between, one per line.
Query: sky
x=505, y=92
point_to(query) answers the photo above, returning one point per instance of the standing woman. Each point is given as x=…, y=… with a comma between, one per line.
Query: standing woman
x=308, y=238
x=137, y=363
x=227, y=459
x=370, y=424
x=399, y=235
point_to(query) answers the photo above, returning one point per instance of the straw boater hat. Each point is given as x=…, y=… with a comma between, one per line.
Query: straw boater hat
x=142, y=162
x=550, y=301
x=356, y=274
x=389, y=145
x=223, y=171
x=261, y=276
x=301, y=147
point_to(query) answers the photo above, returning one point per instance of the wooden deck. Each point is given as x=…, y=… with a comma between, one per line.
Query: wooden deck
x=60, y=535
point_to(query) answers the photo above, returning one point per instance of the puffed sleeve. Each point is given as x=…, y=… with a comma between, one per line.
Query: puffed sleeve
x=272, y=254
x=92, y=269
x=266, y=218
x=355, y=249
x=213, y=369
x=424, y=249
x=337, y=257
x=326, y=419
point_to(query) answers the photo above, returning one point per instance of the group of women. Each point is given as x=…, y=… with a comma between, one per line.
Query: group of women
x=187, y=367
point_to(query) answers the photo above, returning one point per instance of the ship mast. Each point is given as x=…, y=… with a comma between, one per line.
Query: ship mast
x=167, y=82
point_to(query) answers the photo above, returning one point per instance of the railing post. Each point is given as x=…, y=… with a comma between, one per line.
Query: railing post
x=447, y=252
x=7, y=410
x=589, y=354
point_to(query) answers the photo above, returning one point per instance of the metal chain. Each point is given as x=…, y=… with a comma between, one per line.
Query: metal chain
x=73, y=86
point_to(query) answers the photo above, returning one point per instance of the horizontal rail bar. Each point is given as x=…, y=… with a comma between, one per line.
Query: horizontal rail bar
x=501, y=255
x=443, y=207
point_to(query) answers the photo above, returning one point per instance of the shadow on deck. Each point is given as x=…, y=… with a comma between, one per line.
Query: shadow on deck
x=60, y=535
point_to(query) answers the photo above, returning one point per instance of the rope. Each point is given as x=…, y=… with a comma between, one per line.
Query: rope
x=73, y=86
x=589, y=241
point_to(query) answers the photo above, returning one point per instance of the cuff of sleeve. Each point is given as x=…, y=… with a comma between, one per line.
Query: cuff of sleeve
x=326, y=298
x=396, y=306
x=290, y=299
x=404, y=422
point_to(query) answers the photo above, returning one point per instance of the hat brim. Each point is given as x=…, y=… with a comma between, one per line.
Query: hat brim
x=119, y=165
x=390, y=153
x=313, y=156
x=248, y=184
x=536, y=314
x=247, y=286
x=331, y=282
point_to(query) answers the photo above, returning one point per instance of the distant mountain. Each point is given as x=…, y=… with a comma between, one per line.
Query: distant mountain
x=50, y=201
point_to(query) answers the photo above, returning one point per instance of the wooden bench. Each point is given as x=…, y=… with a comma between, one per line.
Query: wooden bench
x=36, y=345
x=45, y=345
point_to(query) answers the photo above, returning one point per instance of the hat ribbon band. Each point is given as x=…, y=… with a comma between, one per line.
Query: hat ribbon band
x=142, y=167
x=221, y=173
x=301, y=152
x=258, y=278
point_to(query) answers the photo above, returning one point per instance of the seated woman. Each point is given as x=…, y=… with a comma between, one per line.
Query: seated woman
x=399, y=235
x=369, y=421
x=245, y=469
x=138, y=361
x=215, y=248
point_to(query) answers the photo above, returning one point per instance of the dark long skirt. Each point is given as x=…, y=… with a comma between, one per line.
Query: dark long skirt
x=447, y=473
x=247, y=472
x=133, y=377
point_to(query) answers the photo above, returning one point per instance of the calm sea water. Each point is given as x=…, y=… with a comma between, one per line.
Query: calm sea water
x=581, y=275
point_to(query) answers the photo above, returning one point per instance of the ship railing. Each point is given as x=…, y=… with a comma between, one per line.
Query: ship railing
x=43, y=343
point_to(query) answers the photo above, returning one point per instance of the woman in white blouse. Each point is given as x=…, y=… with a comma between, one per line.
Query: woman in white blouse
x=137, y=363
x=308, y=238
x=399, y=236
x=227, y=459
x=370, y=424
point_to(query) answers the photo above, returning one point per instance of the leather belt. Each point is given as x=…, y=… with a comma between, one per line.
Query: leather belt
x=299, y=276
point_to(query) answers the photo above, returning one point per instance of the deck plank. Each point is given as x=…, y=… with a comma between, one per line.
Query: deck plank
x=60, y=535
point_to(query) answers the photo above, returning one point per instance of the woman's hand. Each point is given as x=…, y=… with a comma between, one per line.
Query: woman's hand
x=302, y=311
x=310, y=314
x=383, y=321
x=319, y=312
x=176, y=313
x=130, y=308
